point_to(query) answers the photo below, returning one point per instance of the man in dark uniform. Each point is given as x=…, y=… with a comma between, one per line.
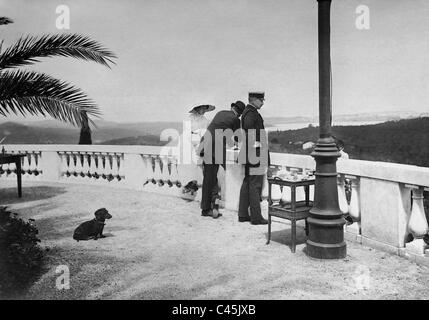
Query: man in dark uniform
x=214, y=143
x=256, y=160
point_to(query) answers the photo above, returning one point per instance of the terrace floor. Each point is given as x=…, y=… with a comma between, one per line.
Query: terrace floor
x=159, y=247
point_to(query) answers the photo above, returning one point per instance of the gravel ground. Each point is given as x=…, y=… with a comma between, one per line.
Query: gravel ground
x=159, y=247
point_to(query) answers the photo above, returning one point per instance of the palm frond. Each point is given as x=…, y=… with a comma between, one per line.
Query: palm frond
x=5, y=20
x=27, y=49
x=29, y=92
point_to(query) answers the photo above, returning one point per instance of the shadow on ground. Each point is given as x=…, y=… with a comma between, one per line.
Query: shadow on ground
x=284, y=236
x=10, y=195
x=88, y=269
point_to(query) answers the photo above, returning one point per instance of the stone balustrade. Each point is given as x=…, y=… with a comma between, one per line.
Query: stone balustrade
x=137, y=167
x=30, y=165
x=385, y=200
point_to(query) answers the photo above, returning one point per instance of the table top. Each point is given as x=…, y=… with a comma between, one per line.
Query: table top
x=10, y=157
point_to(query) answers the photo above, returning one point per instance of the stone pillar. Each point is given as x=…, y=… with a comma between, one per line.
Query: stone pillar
x=50, y=164
x=385, y=206
x=134, y=171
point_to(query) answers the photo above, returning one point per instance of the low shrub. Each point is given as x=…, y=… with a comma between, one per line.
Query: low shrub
x=21, y=258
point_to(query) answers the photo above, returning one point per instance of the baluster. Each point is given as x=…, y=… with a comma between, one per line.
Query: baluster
x=68, y=165
x=165, y=170
x=64, y=164
x=174, y=176
x=110, y=172
x=152, y=173
x=7, y=169
x=170, y=182
x=78, y=173
x=97, y=167
x=147, y=168
x=32, y=169
x=354, y=207
x=104, y=166
x=158, y=171
x=108, y=167
x=121, y=174
x=25, y=165
x=71, y=171
x=342, y=200
x=307, y=175
x=37, y=159
x=92, y=168
x=417, y=224
x=115, y=168
x=2, y=171
x=86, y=175
x=11, y=172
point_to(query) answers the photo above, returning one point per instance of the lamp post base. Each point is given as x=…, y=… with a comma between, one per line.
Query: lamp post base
x=326, y=222
x=326, y=251
x=327, y=238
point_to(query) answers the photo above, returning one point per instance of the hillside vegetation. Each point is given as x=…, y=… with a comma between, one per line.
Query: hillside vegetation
x=403, y=141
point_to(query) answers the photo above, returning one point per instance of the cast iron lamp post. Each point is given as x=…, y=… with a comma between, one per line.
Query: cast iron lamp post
x=326, y=233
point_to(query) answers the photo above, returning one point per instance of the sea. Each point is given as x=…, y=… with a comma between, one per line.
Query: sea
x=300, y=125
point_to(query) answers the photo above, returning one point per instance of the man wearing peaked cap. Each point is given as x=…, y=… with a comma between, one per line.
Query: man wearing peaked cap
x=257, y=95
x=255, y=155
x=223, y=120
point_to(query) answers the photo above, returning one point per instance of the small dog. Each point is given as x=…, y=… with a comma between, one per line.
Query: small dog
x=189, y=191
x=92, y=229
x=191, y=187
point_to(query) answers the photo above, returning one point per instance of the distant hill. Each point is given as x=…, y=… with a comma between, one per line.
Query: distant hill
x=403, y=141
x=21, y=134
x=55, y=132
x=148, y=140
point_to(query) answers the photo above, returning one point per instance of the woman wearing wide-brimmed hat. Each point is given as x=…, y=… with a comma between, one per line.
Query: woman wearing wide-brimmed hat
x=198, y=125
x=198, y=120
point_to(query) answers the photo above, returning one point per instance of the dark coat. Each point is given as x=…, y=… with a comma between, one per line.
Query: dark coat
x=225, y=119
x=251, y=119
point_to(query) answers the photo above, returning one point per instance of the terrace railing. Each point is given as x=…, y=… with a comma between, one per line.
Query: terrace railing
x=385, y=200
x=136, y=167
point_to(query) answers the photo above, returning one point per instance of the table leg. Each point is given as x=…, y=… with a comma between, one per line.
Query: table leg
x=269, y=228
x=18, y=176
x=306, y=227
x=293, y=235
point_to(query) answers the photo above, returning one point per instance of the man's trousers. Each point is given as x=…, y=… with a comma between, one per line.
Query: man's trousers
x=250, y=196
x=210, y=190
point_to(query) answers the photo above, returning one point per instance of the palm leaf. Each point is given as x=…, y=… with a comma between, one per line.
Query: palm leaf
x=5, y=20
x=29, y=92
x=27, y=49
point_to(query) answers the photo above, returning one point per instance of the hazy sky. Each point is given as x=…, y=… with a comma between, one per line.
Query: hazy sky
x=175, y=54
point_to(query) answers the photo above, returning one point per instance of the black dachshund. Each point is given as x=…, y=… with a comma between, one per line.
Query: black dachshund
x=92, y=229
